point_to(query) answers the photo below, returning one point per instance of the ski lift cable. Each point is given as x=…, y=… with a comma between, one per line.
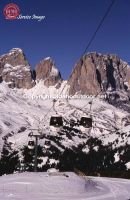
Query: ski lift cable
x=100, y=92
x=54, y=102
x=112, y=130
x=81, y=109
x=96, y=31
x=108, y=122
x=90, y=102
x=91, y=107
x=59, y=116
x=94, y=35
x=87, y=113
x=47, y=113
x=99, y=26
x=91, y=40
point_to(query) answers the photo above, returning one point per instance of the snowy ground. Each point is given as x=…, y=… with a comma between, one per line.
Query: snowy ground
x=40, y=186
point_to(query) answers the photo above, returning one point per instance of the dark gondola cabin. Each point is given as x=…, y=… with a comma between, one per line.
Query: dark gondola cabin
x=47, y=143
x=31, y=144
x=86, y=122
x=56, y=121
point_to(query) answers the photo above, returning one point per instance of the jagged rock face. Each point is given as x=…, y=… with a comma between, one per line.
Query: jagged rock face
x=15, y=69
x=47, y=71
x=96, y=72
x=128, y=77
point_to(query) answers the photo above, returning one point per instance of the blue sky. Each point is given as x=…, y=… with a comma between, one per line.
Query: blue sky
x=66, y=30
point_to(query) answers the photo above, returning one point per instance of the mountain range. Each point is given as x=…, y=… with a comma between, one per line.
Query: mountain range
x=103, y=81
x=93, y=73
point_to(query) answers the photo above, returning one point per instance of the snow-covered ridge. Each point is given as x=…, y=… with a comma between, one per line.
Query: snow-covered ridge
x=40, y=89
x=29, y=110
x=16, y=50
x=47, y=58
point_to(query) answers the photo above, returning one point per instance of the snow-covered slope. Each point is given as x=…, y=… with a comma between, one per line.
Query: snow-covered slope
x=22, y=110
x=40, y=186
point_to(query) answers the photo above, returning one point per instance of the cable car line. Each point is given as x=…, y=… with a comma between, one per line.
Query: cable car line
x=88, y=122
x=89, y=43
x=96, y=31
x=99, y=26
x=57, y=121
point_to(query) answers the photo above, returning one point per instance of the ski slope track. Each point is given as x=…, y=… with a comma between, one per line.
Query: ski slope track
x=41, y=186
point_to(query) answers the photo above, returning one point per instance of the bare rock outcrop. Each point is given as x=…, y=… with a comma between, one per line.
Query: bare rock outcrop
x=15, y=69
x=96, y=73
x=47, y=71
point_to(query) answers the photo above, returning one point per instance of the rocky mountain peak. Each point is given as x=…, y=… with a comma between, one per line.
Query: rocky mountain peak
x=93, y=73
x=15, y=57
x=96, y=72
x=47, y=71
x=16, y=50
x=15, y=69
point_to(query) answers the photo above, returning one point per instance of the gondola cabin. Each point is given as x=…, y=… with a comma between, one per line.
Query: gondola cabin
x=56, y=122
x=47, y=144
x=85, y=123
x=31, y=144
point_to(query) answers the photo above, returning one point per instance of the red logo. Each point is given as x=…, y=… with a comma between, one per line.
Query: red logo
x=11, y=11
